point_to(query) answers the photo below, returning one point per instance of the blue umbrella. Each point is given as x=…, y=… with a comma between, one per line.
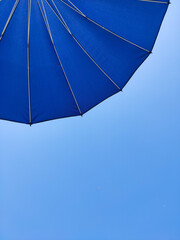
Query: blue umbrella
x=60, y=58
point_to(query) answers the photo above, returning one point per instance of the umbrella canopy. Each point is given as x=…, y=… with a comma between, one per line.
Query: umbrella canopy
x=60, y=58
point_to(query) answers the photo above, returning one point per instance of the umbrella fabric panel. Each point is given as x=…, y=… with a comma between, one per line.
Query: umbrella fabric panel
x=13, y=68
x=90, y=85
x=136, y=20
x=117, y=57
x=50, y=94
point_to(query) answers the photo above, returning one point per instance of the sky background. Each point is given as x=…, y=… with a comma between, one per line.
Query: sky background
x=109, y=175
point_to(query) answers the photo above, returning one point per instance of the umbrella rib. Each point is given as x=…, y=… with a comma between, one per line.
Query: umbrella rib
x=28, y=60
x=76, y=8
x=153, y=1
x=99, y=25
x=9, y=18
x=52, y=41
x=60, y=15
x=67, y=28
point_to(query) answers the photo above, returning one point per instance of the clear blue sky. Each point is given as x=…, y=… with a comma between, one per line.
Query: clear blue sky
x=112, y=174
